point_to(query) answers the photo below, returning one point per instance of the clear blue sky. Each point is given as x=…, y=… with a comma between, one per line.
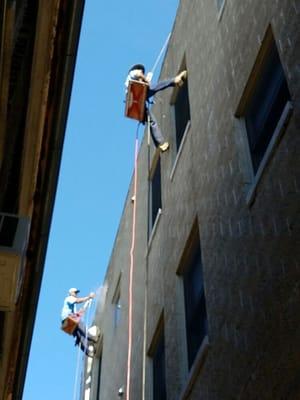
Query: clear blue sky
x=96, y=169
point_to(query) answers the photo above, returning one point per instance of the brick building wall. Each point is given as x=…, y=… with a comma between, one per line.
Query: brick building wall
x=247, y=223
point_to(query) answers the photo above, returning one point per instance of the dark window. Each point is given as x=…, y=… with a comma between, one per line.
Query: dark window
x=2, y=322
x=8, y=228
x=2, y=18
x=269, y=98
x=220, y=3
x=182, y=112
x=116, y=303
x=195, y=308
x=20, y=10
x=155, y=194
x=99, y=364
x=159, y=374
x=117, y=310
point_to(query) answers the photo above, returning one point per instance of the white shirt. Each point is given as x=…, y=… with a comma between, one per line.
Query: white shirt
x=69, y=307
x=132, y=76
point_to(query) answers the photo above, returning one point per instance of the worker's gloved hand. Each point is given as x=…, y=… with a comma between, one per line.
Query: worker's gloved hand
x=92, y=295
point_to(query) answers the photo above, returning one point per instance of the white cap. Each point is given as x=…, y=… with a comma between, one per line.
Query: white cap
x=73, y=290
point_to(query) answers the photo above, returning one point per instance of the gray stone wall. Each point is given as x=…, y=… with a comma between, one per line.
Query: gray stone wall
x=250, y=252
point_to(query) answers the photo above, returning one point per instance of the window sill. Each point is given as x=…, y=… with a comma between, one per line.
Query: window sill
x=279, y=130
x=197, y=365
x=154, y=228
x=187, y=128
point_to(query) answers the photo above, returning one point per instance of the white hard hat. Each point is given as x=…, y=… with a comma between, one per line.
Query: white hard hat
x=73, y=290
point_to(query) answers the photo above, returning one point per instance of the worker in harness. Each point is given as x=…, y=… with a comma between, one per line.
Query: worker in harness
x=71, y=322
x=137, y=73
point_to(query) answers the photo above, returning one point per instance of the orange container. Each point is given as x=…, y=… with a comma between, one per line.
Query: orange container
x=70, y=323
x=135, y=100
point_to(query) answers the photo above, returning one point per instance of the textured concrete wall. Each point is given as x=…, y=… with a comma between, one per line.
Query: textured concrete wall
x=250, y=253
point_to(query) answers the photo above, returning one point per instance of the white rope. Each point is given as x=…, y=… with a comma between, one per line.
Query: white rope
x=76, y=375
x=86, y=346
x=160, y=55
x=87, y=306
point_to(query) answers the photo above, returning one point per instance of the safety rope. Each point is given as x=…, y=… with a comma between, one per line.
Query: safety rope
x=86, y=346
x=131, y=268
x=89, y=302
x=150, y=74
x=77, y=373
x=160, y=55
x=146, y=270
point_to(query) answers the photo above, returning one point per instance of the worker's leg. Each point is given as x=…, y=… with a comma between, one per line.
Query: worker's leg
x=88, y=350
x=155, y=131
x=162, y=85
x=81, y=330
x=92, y=334
x=178, y=80
x=86, y=345
x=77, y=336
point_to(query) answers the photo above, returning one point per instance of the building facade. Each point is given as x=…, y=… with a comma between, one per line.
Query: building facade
x=214, y=273
x=38, y=46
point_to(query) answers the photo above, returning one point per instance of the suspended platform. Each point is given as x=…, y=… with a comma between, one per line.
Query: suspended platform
x=135, y=100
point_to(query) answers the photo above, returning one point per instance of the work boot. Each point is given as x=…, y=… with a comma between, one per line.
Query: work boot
x=164, y=146
x=180, y=78
x=94, y=333
x=90, y=352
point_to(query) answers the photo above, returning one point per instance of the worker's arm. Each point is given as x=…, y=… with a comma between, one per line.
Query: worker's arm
x=84, y=299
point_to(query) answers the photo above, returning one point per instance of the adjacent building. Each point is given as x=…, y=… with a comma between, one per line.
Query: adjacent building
x=38, y=46
x=215, y=272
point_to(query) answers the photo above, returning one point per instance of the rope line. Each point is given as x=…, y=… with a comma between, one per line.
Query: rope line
x=160, y=54
x=133, y=234
x=87, y=324
x=132, y=268
x=77, y=373
x=146, y=272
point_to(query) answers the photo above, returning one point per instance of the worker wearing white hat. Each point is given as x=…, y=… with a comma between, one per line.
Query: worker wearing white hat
x=79, y=333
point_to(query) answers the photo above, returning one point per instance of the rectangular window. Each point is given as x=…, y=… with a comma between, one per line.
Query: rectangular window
x=194, y=296
x=265, y=105
x=99, y=366
x=155, y=195
x=8, y=229
x=116, y=301
x=157, y=354
x=117, y=311
x=2, y=323
x=182, y=112
x=220, y=3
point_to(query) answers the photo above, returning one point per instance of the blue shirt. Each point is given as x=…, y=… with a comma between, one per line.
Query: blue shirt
x=69, y=307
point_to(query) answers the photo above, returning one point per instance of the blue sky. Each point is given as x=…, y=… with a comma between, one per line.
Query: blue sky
x=96, y=169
